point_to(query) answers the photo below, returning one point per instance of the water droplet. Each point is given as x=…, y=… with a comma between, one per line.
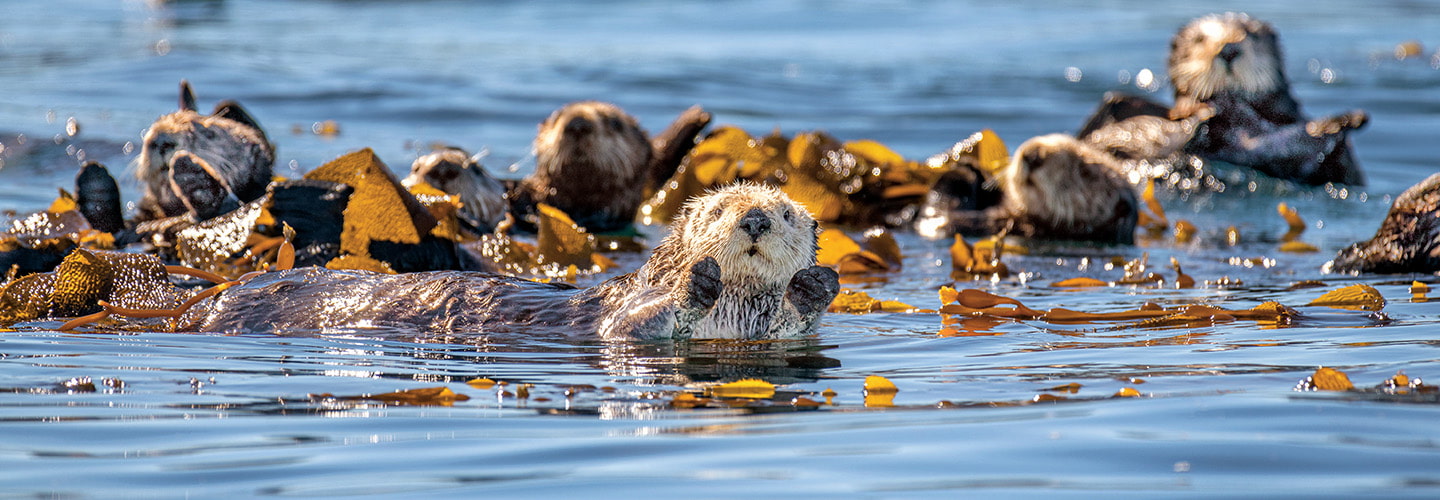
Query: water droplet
x=1073, y=74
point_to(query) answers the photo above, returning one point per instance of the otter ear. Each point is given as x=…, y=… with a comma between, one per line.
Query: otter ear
x=230, y=109
x=187, y=97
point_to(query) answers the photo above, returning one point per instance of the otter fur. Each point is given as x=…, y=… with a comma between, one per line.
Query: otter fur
x=1060, y=188
x=1232, y=63
x=1408, y=240
x=456, y=172
x=227, y=145
x=592, y=161
x=1233, y=104
x=739, y=263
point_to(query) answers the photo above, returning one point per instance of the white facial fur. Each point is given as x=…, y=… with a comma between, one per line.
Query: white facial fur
x=1198, y=70
x=711, y=227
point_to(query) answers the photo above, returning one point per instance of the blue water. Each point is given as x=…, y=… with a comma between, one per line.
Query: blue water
x=203, y=415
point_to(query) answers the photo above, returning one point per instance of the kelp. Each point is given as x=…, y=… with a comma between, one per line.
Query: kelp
x=39, y=242
x=85, y=280
x=858, y=302
x=972, y=302
x=849, y=183
x=878, y=253
x=380, y=209
x=979, y=261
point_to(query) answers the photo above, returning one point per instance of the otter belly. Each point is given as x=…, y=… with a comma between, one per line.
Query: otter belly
x=454, y=301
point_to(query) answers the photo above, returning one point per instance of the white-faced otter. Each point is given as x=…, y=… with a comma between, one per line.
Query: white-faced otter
x=592, y=161
x=1408, y=241
x=1058, y=187
x=455, y=172
x=227, y=144
x=739, y=263
x=1231, y=62
x=1232, y=104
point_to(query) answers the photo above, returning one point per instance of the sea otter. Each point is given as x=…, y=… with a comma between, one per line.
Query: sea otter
x=592, y=161
x=739, y=263
x=456, y=172
x=1232, y=104
x=227, y=146
x=1408, y=241
x=1060, y=188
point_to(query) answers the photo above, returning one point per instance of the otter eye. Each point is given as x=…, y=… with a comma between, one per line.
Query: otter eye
x=789, y=216
x=717, y=212
x=614, y=123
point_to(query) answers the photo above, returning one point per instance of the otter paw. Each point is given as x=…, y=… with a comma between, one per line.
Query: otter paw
x=705, y=284
x=812, y=289
x=1331, y=125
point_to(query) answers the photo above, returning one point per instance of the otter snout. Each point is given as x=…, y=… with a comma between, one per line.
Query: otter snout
x=755, y=223
x=1230, y=52
x=579, y=126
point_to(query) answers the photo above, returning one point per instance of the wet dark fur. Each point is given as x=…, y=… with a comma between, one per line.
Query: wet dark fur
x=228, y=141
x=592, y=161
x=692, y=286
x=98, y=196
x=1408, y=240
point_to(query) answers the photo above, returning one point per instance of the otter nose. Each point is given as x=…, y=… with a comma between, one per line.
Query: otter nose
x=755, y=223
x=1229, y=52
x=578, y=126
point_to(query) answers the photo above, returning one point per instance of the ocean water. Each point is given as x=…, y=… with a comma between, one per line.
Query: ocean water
x=169, y=415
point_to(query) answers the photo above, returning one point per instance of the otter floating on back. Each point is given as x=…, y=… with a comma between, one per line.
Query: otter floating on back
x=739, y=263
x=1233, y=104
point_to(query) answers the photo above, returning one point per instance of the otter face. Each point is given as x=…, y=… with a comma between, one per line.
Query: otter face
x=1225, y=52
x=591, y=138
x=236, y=152
x=755, y=232
x=1060, y=182
x=456, y=173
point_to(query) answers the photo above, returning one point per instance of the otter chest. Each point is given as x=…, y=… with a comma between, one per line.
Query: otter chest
x=752, y=315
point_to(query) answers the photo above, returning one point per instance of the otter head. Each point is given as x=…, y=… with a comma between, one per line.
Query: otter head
x=755, y=232
x=1226, y=53
x=591, y=138
x=1067, y=188
x=455, y=172
x=228, y=139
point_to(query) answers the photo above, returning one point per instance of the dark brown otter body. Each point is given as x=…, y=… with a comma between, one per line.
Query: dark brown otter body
x=1408, y=241
x=1233, y=104
x=739, y=264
